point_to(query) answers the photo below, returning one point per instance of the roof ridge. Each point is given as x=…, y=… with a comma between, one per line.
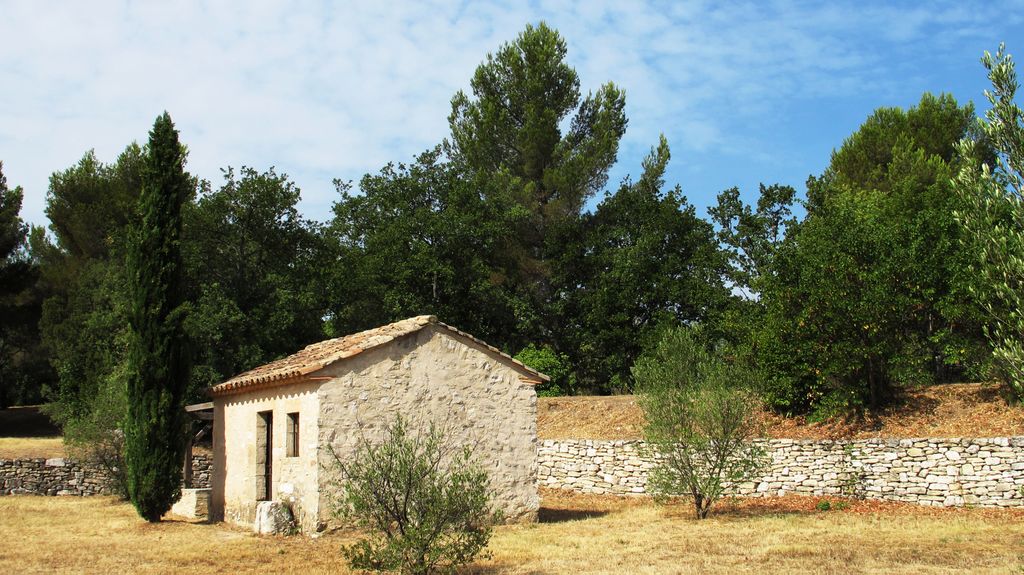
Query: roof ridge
x=319, y=355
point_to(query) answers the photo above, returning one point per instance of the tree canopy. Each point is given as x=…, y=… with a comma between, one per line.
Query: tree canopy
x=993, y=219
x=889, y=272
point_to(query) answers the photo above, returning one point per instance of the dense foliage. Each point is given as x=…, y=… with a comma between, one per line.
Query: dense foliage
x=255, y=273
x=840, y=298
x=643, y=260
x=23, y=369
x=85, y=312
x=422, y=500
x=419, y=239
x=158, y=356
x=993, y=219
x=868, y=292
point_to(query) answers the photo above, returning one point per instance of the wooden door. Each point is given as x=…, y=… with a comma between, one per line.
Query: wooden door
x=264, y=456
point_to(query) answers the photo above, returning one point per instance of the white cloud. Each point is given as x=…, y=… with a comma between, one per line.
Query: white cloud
x=324, y=90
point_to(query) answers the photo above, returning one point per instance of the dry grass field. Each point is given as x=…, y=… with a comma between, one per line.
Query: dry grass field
x=577, y=534
x=26, y=433
x=31, y=447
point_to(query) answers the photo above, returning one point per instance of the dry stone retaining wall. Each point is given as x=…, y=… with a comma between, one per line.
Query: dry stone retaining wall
x=59, y=476
x=941, y=472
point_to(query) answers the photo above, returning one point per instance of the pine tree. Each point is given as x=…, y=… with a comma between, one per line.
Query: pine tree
x=158, y=366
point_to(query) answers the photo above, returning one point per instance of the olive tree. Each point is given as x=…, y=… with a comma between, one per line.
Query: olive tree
x=994, y=219
x=701, y=419
x=420, y=497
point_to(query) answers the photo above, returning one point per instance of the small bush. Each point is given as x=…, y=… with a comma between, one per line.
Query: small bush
x=96, y=436
x=552, y=364
x=422, y=500
x=701, y=414
x=826, y=505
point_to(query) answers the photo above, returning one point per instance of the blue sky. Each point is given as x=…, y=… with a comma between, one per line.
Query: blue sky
x=745, y=92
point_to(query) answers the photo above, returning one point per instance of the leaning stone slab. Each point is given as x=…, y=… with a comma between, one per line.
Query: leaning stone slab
x=273, y=518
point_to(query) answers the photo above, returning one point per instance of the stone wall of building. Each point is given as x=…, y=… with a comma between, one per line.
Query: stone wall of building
x=437, y=376
x=202, y=470
x=59, y=476
x=942, y=472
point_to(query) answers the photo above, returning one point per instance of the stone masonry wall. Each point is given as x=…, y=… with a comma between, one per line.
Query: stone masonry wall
x=437, y=376
x=61, y=476
x=940, y=472
x=202, y=470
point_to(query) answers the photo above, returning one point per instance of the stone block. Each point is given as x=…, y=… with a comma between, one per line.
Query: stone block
x=193, y=504
x=273, y=518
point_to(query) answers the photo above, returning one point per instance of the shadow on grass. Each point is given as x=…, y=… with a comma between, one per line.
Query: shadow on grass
x=549, y=515
x=920, y=404
x=780, y=507
x=503, y=567
x=26, y=422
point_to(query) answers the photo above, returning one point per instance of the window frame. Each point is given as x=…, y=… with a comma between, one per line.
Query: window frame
x=292, y=434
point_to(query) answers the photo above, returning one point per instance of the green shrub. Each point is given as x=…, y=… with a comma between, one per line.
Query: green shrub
x=701, y=414
x=993, y=220
x=552, y=364
x=423, y=502
x=96, y=434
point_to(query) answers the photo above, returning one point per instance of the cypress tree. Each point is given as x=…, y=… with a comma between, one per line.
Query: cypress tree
x=158, y=366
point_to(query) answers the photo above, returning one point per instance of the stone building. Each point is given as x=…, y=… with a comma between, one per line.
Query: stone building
x=275, y=426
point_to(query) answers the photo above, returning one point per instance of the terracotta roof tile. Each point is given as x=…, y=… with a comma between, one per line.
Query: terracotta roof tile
x=319, y=355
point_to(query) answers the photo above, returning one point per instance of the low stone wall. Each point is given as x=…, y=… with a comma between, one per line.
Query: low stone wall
x=941, y=472
x=61, y=476
x=202, y=470
x=51, y=477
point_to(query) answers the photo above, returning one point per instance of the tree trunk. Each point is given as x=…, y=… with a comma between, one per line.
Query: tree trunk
x=872, y=385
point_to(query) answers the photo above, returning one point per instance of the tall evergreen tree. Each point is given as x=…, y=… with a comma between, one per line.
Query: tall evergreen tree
x=531, y=141
x=91, y=206
x=23, y=371
x=158, y=359
x=642, y=261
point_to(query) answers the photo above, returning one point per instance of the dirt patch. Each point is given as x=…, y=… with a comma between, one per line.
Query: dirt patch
x=950, y=410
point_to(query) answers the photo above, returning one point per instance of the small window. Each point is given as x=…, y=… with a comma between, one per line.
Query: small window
x=292, y=440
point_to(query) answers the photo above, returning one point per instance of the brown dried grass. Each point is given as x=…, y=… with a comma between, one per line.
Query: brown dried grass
x=31, y=447
x=26, y=432
x=577, y=534
x=949, y=410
